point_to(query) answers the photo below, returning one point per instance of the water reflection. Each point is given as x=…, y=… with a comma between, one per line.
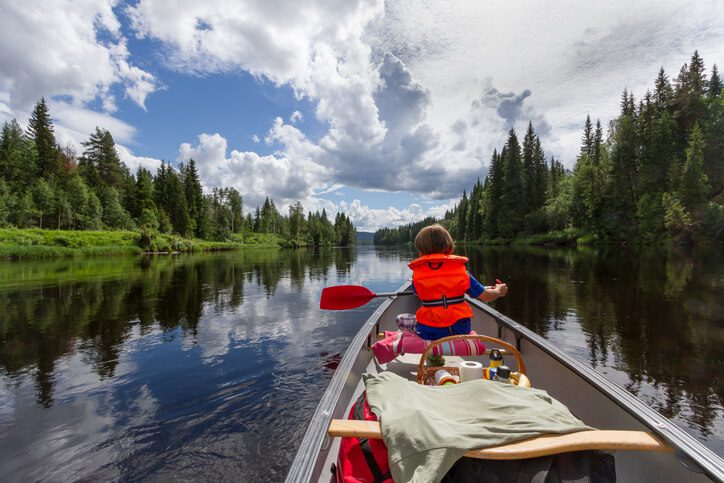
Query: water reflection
x=169, y=367
x=176, y=367
x=653, y=319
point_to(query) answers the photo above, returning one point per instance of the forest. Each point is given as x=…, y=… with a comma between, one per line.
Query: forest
x=43, y=185
x=657, y=174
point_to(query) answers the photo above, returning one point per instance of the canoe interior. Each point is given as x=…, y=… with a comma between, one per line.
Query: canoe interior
x=592, y=399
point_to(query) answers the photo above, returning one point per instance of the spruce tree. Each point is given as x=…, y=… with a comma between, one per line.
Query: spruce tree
x=176, y=206
x=236, y=205
x=694, y=184
x=462, y=217
x=194, y=197
x=587, y=138
x=40, y=130
x=495, y=192
x=513, y=196
x=541, y=175
x=17, y=158
x=715, y=83
x=529, y=170
x=663, y=92
x=143, y=192
x=597, y=151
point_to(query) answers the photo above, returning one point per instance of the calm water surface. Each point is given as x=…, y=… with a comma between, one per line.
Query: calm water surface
x=209, y=366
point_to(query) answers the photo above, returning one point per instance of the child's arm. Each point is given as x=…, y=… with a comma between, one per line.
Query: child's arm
x=486, y=294
x=494, y=292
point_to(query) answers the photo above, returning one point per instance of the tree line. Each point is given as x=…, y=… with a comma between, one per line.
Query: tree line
x=45, y=186
x=658, y=173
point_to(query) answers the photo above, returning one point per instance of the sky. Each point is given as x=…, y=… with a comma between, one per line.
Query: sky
x=384, y=110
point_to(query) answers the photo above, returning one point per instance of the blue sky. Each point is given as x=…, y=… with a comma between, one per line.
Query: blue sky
x=386, y=111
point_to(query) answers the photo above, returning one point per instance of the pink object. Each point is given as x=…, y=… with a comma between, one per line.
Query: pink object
x=404, y=342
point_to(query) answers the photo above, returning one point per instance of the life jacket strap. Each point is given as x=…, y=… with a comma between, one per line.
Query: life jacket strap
x=444, y=301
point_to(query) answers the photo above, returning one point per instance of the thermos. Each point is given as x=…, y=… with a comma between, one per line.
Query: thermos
x=496, y=359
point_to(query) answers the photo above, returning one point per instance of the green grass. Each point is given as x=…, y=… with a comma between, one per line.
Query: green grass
x=569, y=236
x=38, y=243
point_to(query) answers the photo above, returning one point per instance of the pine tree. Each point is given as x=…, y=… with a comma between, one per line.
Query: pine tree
x=100, y=162
x=159, y=187
x=663, y=93
x=622, y=194
x=541, y=175
x=257, y=220
x=17, y=158
x=236, y=204
x=529, y=171
x=694, y=184
x=143, y=193
x=495, y=193
x=462, y=217
x=715, y=83
x=40, y=130
x=176, y=206
x=697, y=80
x=597, y=143
x=587, y=138
x=513, y=197
x=296, y=220
x=194, y=197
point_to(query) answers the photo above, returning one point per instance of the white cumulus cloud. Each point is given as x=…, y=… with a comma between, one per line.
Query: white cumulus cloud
x=285, y=177
x=66, y=48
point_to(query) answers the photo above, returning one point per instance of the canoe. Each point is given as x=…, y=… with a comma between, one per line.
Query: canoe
x=652, y=448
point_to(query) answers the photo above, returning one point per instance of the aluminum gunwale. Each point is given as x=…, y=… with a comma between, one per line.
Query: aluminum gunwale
x=309, y=448
x=710, y=463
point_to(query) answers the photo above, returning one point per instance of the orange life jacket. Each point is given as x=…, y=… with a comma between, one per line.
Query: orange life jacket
x=441, y=282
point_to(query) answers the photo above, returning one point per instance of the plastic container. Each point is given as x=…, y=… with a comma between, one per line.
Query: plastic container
x=443, y=378
x=502, y=374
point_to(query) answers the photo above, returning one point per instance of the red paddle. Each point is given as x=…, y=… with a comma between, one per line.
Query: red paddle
x=350, y=296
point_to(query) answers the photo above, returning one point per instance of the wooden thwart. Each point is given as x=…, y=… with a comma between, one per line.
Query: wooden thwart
x=530, y=448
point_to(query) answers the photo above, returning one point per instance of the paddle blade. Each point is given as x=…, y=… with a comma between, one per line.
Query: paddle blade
x=345, y=297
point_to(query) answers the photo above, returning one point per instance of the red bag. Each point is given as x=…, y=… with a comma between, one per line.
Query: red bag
x=363, y=460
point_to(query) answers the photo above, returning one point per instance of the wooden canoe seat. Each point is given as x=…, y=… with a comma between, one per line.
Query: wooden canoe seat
x=529, y=448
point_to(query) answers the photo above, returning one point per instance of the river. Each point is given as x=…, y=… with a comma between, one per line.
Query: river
x=209, y=366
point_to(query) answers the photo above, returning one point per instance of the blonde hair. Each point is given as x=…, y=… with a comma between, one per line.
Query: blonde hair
x=434, y=239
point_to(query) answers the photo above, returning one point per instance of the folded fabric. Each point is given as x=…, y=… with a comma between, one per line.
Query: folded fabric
x=426, y=428
x=404, y=342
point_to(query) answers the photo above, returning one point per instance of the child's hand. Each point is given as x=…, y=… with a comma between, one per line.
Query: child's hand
x=494, y=292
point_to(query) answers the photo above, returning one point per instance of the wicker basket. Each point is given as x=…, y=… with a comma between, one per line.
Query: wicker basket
x=426, y=374
x=431, y=370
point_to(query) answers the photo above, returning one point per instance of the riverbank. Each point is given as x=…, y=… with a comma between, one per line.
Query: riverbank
x=569, y=236
x=39, y=243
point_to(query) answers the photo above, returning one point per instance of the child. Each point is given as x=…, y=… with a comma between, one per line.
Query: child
x=441, y=281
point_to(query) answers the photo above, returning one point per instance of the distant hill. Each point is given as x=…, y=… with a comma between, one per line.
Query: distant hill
x=364, y=238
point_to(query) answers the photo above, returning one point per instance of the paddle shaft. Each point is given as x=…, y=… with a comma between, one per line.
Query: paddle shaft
x=393, y=294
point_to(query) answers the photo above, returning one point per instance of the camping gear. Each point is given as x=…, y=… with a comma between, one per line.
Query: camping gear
x=646, y=445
